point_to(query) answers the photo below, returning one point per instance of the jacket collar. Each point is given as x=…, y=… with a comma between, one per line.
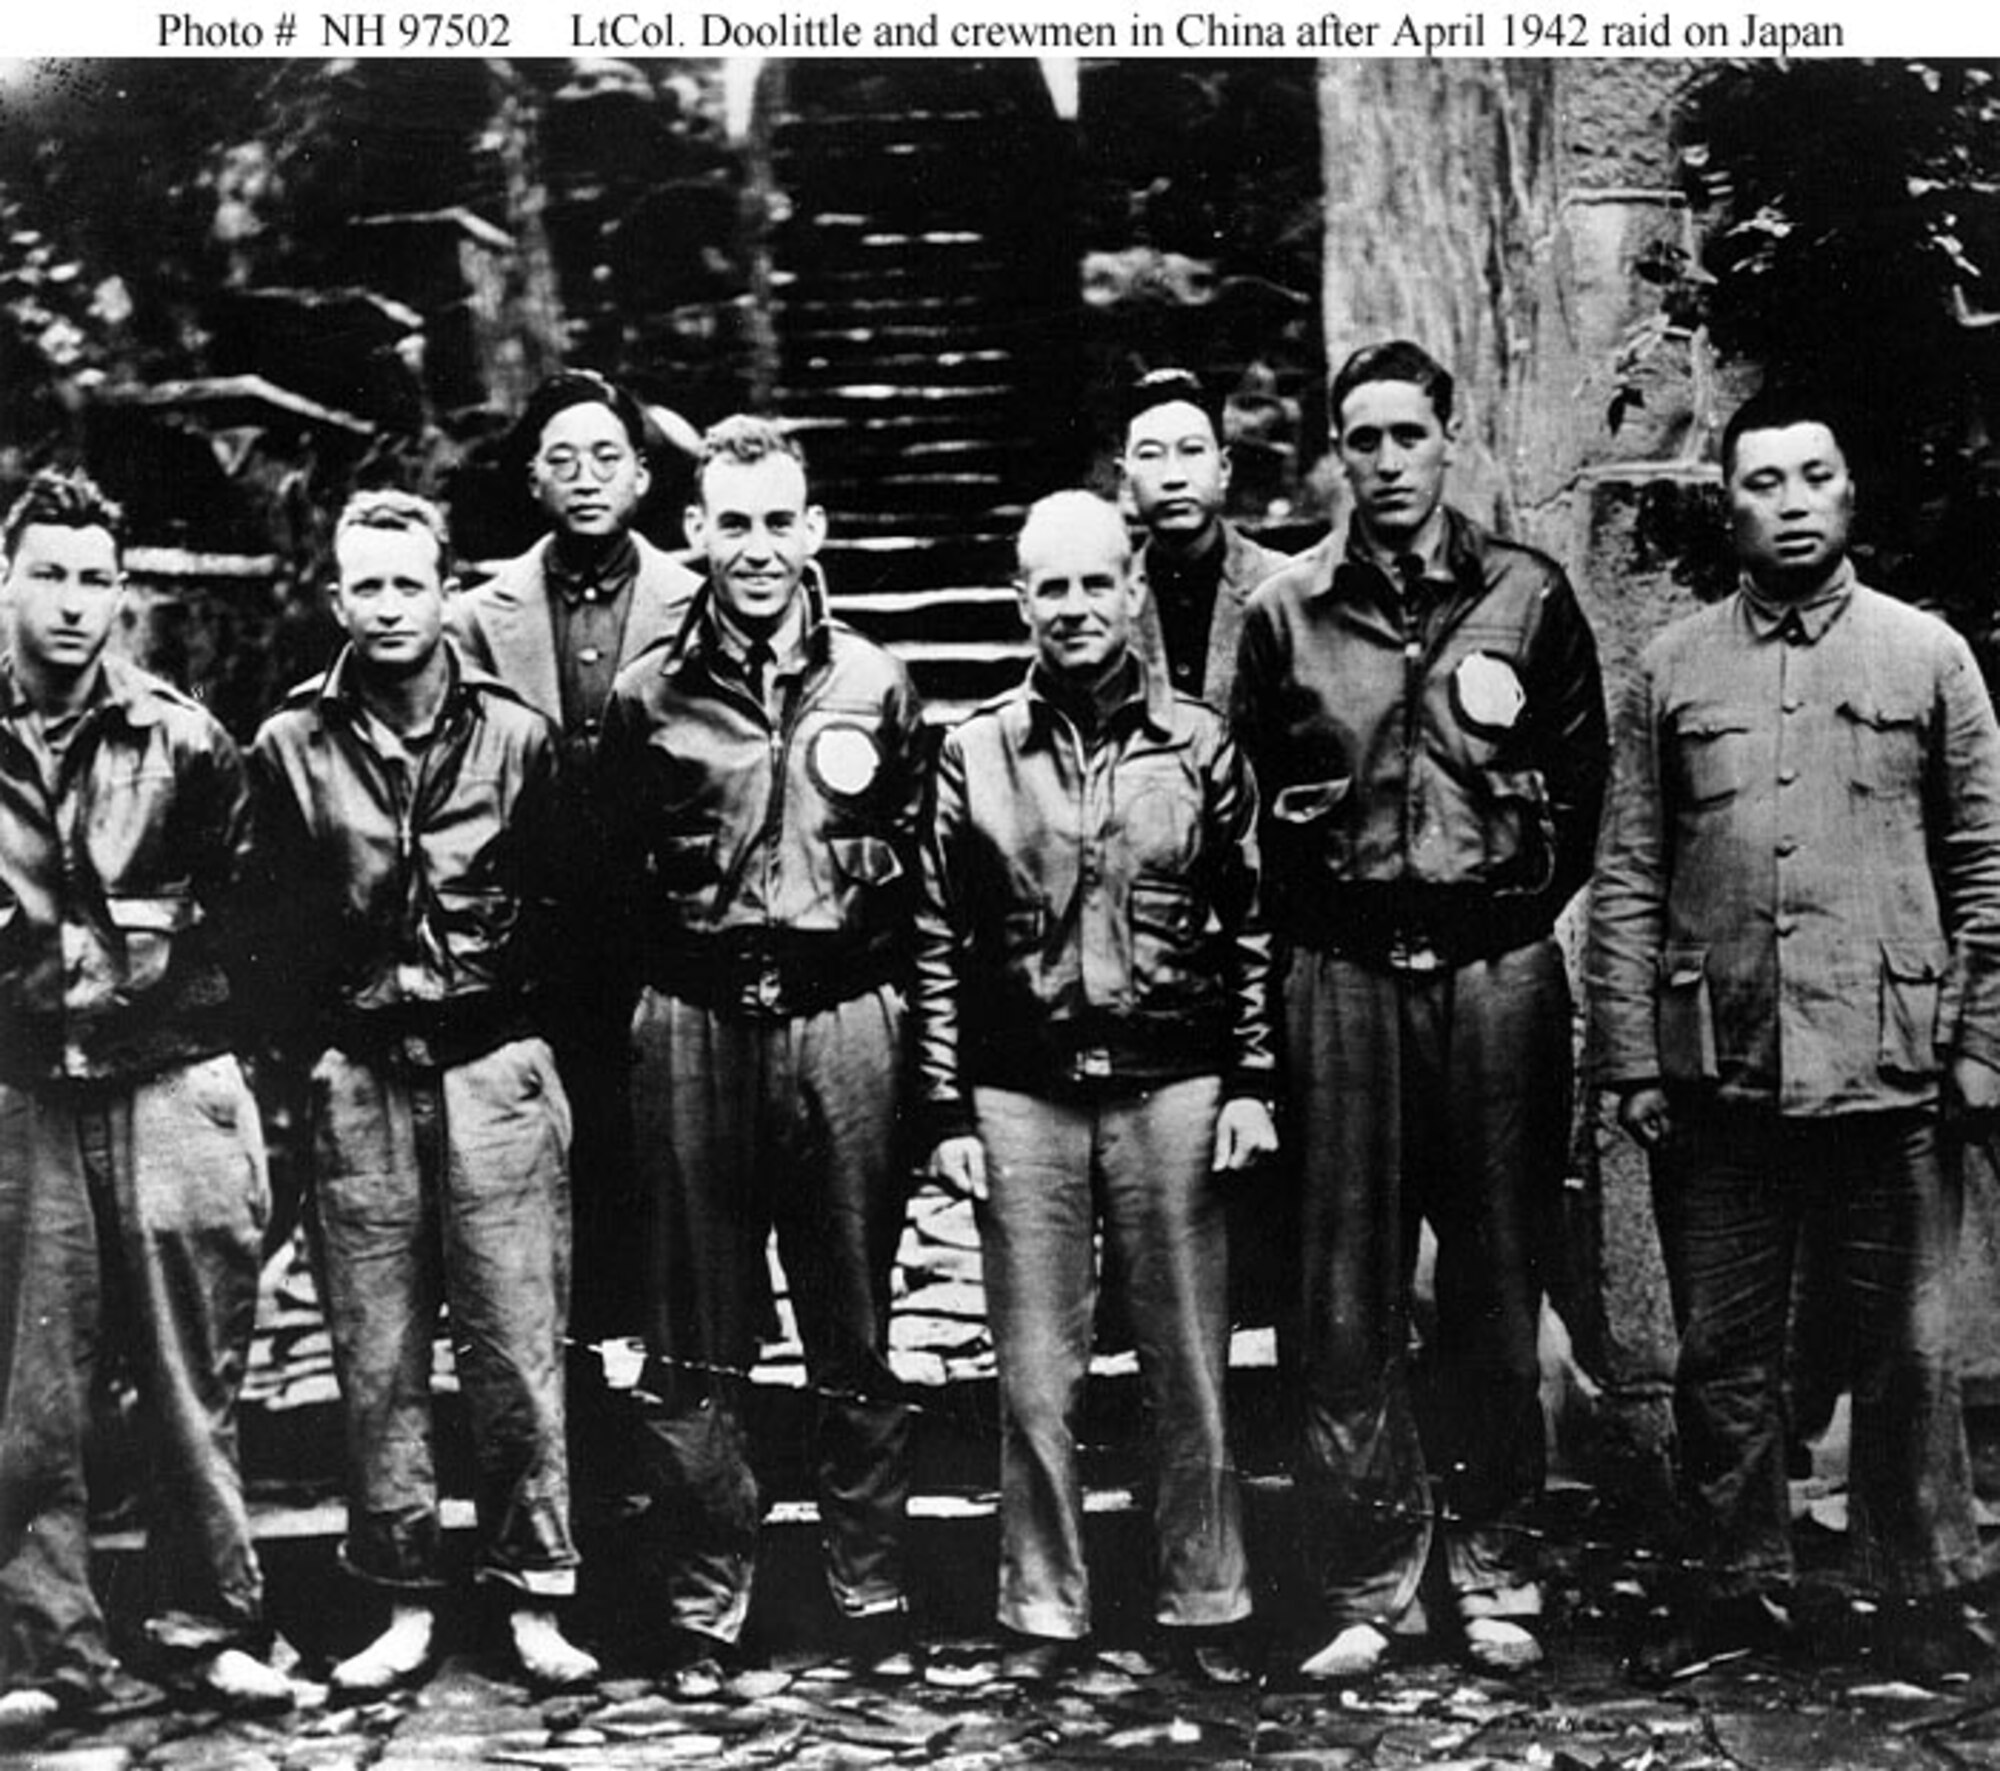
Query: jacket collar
x=699, y=642
x=339, y=690
x=1150, y=694
x=1353, y=571
x=136, y=696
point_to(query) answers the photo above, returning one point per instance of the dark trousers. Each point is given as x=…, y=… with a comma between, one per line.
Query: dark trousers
x=744, y=1126
x=1440, y=1095
x=131, y=1219
x=1731, y=1192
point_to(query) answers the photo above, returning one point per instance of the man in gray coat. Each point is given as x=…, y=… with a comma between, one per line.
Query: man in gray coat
x=1795, y=970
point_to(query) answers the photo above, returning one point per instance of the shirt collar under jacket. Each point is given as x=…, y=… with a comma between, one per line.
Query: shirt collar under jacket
x=1145, y=688
x=1356, y=569
x=1808, y=621
x=118, y=684
x=701, y=632
x=787, y=641
x=339, y=689
x=603, y=580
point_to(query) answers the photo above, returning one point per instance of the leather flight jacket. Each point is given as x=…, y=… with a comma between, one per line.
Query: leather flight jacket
x=112, y=891
x=1432, y=756
x=406, y=912
x=1091, y=911
x=764, y=865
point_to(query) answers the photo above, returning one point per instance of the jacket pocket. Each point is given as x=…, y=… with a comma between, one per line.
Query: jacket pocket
x=147, y=927
x=866, y=860
x=1886, y=740
x=1684, y=1017
x=1520, y=831
x=1913, y=976
x=1166, y=929
x=1304, y=824
x=1711, y=755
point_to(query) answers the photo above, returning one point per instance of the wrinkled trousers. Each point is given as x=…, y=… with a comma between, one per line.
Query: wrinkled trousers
x=131, y=1220
x=1139, y=1164
x=742, y=1126
x=1730, y=1191
x=448, y=1187
x=1440, y=1096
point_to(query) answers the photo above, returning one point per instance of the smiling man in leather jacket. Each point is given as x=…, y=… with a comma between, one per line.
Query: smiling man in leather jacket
x=1096, y=1047
x=762, y=771
x=1425, y=716
x=1795, y=977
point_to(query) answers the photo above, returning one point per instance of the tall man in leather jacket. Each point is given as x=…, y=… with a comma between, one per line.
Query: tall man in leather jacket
x=763, y=771
x=405, y=802
x=1424, y=712
x=1096, y=1046
x=132, y=1168
x=557, y=624
x=1795, y=985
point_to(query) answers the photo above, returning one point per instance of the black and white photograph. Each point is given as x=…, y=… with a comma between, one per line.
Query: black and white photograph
x=988, y=909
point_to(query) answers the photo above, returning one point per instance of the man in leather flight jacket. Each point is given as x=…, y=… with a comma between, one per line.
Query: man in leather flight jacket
x=404, y=807
x=1794, y=971
x=762, y=772
x=1424, y=712
x=132, y=1166
x=1095, y=1045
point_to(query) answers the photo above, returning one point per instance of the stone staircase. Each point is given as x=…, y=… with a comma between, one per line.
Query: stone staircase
x=927, y=319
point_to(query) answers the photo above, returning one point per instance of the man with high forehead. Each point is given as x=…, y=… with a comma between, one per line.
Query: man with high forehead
x=132, y=1167
x=1423, y=708
x=762, y=772
x=405, y=803
x=1196, y=569
x=1096, y=1049
x=556, y=625
x=1794, y=965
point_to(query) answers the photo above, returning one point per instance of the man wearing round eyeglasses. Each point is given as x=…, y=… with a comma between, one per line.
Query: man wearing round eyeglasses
x=556, y=625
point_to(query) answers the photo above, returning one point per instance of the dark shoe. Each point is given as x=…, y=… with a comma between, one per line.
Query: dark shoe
x=1933, y=1638
x=1692, y=1641
x=1037, y=1660
x=881, y=1646
x=1209, y=1657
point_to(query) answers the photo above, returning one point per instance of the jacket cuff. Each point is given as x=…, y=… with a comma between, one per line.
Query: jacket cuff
x=1251, y=1083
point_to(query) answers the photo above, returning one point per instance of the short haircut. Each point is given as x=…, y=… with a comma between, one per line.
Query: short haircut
x=384, y=508
x=580, y=387
x=744, y=438
x=59, y=500
x=1398, y=360
x=1779, y=408
x=1062, y=509
x=1168, y=387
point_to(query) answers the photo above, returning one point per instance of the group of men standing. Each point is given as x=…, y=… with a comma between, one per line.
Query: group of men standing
x=1238, y=911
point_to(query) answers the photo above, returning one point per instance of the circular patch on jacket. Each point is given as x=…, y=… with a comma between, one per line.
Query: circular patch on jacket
x=844, y=760
x=1487, y=694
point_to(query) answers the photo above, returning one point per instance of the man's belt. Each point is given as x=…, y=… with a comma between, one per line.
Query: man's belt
x=762, y=983
x=1420, y=945
x=434, y=1036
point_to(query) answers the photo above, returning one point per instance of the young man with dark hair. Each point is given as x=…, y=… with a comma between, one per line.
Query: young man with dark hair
x=1095, y=1049
x=762, y=774
x=133, y=1189
x=404, y=808
x=556, y=625
x=1423, y=708
x=1794, y=966
x=1195, y=569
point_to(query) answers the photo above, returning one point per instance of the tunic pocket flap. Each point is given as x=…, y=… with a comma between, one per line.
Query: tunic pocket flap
x=1916, y=962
